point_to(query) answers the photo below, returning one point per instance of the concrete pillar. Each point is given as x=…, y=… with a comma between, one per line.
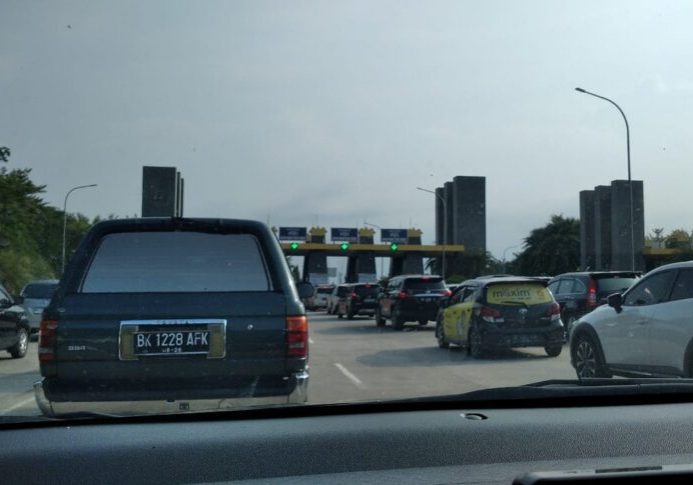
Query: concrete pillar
x=315, y=264
x=449, y=219
x=602, y=227
x=364, y=267
x=161, y=192
x=621, y=224
x=469, y=213
x=413, y=263
x=587, y=236
x=440, y=216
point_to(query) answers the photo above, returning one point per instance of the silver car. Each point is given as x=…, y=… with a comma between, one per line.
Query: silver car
x=35, y=297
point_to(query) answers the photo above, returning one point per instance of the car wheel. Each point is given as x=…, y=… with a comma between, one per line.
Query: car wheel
x=423, y=322
x=553, y=350
x=440, y=335
x=397, y=321
x=18, y=350
x=476, y=343
x=379, y=320
x=587, y=358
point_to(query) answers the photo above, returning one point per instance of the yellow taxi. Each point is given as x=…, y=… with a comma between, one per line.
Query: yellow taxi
x=487, y=314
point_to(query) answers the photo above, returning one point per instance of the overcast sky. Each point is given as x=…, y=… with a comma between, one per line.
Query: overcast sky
x=332, y=112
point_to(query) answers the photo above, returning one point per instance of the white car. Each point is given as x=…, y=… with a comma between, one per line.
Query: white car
x=647, y=331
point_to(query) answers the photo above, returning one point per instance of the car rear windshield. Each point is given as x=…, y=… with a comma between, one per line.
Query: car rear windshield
x=366, y=290
x=615, y=283
x=148, y=262
x=327, y=290
x=516, y=293
x=424, y=284
x=42, y=291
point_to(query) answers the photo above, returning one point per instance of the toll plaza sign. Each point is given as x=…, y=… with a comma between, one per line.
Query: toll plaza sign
x=344, y=234
x=398, y=236
x=292, y=233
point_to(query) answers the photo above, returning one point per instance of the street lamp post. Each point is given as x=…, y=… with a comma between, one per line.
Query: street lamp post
x=445, y=223
x=381, y=259
x=65, y=217
x=630, y=183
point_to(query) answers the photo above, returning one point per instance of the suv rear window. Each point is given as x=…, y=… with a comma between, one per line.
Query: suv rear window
x=424, y=284
x=148, y=262
x=616, y=284
x=366, y=290
x=43, y=291
x=514, y=293
x=325, y=290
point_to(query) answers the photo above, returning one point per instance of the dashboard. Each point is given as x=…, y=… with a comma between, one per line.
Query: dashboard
x=349, y=444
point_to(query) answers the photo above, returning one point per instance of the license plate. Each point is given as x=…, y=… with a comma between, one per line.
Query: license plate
x=179, y=342
x=172, y=337
x=369, y=300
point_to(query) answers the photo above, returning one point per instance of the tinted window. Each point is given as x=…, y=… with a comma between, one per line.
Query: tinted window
x=566, y=286
x=176, y=262
x=579, y=287
x=615, y=285
x=366, y=290
x=653, y=289
x=424, y=284
x=683, y=288
x=342, y=290
x=324, y=290
x=553, y=287
x=42, y=291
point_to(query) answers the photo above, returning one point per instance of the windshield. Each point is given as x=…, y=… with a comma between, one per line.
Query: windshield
x=263, y=203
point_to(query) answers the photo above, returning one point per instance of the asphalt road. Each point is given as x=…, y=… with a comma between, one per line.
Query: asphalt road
x=353, y=360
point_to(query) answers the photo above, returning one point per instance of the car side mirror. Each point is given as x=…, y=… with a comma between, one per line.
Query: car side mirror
x=18, y=300
x=615, y=301
x=5, y=303
x=305, y=289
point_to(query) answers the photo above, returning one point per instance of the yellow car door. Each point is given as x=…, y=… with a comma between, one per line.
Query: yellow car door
x=466, y=310
x=451, y=315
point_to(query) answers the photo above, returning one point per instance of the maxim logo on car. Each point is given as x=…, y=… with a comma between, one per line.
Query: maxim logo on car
x=511, y=293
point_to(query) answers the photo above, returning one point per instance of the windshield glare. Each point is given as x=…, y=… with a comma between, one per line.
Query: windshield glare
x=222, y=205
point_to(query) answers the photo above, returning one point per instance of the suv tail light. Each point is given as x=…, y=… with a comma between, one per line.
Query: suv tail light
x=297, y=336
x=592, y=294
x=489, y=314
x=354, y=296
x=402, y=294
x=48, y=340
x=447, y=293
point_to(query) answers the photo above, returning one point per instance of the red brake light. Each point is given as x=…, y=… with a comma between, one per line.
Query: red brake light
x=447, y=293
x=592, y=294
x=553, y=309
x=402, y=294
x=354, y=296
x=47, y=340
x=297, y=336
x=488, y=312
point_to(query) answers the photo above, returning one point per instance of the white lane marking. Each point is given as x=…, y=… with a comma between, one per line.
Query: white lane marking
x=355, y=380
x=20, y=404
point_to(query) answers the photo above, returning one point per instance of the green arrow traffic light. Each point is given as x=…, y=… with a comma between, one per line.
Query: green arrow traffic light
x=344, y=246
x=293, y=245
x=394, y=246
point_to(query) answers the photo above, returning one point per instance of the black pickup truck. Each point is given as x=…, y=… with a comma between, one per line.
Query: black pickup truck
x=169, y=315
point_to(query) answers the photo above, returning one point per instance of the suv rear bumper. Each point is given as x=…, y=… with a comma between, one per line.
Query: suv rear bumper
x=298, y=395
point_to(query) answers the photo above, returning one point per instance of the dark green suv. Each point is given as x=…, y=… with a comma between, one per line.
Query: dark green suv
x=166, y=315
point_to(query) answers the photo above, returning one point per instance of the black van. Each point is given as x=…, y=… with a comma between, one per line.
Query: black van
x=168, y=315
